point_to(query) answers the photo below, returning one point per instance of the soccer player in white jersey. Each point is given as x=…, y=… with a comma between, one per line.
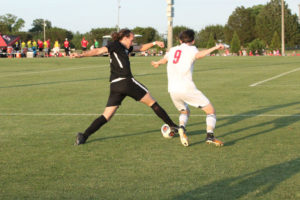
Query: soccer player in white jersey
x=181, y=87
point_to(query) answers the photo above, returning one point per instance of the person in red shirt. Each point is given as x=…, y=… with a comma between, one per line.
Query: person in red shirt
x=49, y=47
x=40, y=45
x=84, y=44
x=67, y=47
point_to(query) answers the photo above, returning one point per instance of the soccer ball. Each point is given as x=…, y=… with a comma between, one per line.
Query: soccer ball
x=166, y=131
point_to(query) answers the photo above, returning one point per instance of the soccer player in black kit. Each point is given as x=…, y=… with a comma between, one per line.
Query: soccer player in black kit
x=122, y=83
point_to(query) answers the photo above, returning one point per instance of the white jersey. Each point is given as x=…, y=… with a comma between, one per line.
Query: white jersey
x=180, y=68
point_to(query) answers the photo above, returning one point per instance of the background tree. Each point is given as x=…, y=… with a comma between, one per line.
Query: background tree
x=176, y=31
x=211, y=43
x=276, y=42
x=235, y=44
x=59, y=34
x=202, y=37
x=149, y=34
x=258, y=46
x=98, y=34
x=242, y=21
x=25, y=36
x=3, y=28
x=269, y=20
x=38, y=25
x=11, y=24
x=76, y=41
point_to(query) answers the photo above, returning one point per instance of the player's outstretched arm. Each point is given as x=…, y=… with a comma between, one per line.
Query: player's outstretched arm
x=156, y=64
x=93, y=52
x=147, y=46
x=203, y=53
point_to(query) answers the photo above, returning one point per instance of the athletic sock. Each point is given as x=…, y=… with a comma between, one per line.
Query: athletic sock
x=211, y=122
x=183, y=118
x=161, y=113
x=97, y=123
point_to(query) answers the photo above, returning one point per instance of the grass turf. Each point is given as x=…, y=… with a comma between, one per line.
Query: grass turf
x=40, y=105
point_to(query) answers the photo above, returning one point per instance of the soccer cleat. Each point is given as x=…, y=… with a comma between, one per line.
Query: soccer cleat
x=80, y=139
x=174, y=130
x=210, y=139
x=183, y=138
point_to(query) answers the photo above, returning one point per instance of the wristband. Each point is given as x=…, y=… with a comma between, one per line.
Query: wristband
x=154, y=43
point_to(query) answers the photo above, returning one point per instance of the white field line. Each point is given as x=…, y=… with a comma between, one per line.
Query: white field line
x=47, y=71
x=145, y=115
x=274, y=77
x=57, y=70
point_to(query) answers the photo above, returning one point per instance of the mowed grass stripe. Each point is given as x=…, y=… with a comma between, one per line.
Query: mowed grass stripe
x=128, y=158
x=145, y=115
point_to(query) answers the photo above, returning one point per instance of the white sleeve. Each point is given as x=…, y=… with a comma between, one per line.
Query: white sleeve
x=167, y=56
x=194, y=52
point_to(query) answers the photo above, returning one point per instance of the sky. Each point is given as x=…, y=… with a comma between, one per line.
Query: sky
x=82, y=16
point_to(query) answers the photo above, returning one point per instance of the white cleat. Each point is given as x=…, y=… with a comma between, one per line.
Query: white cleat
x=183, y=138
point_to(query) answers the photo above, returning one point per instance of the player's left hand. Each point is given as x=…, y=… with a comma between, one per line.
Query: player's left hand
x=160, y=44
x=220, y=46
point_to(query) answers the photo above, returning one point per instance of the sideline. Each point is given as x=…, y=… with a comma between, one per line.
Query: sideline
x=59, y=70
x=274, y=77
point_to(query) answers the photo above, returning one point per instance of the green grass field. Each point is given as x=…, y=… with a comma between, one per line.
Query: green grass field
x=45, y=102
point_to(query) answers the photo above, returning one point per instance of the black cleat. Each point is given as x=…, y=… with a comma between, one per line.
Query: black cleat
x=210, y=139
x=174, y=130
x=80, y=139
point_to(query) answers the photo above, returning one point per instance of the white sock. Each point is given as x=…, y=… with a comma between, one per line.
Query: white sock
x=211, y=122
x=183, y=119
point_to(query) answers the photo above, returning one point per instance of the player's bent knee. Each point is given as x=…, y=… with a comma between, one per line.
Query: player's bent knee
x=186, y=112
x=209, y=109
x=109, y=112
x=148, y=100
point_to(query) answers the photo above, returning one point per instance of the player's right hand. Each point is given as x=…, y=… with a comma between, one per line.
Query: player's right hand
x=155, y=64
x=75, y=55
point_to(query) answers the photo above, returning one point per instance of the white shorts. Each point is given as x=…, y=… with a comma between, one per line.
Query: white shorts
x=194, y=98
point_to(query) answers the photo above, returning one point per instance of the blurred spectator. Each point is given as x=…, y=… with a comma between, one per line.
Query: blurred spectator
x=56, y=48
x=23, y=46
x=49, y=47
x=84, y=44
x=67, y=47
x=29, y=45
x=17, y=46
x=40, y=45
x=240, y=53
x=34, y=44
x=96, y=44
x=34, y=48
x=46, y=48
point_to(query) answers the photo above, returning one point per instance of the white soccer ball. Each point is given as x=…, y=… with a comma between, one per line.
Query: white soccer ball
x=166, y=131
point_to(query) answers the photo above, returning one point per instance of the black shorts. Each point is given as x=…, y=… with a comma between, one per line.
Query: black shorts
x=126, y=87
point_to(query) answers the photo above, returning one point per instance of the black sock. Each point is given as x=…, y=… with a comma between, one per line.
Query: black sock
x=97, y=123
x=160, y=112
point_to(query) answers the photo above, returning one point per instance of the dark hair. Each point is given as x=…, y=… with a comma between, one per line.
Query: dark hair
x=187, y=36
x=117, y=36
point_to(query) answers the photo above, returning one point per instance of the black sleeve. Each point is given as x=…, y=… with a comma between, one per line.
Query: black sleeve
x=110, y=46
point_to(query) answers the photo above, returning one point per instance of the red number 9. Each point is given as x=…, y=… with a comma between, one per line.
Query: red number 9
x=177, y=56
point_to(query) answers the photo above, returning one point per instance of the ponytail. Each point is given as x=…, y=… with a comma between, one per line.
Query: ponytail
x=117, y=36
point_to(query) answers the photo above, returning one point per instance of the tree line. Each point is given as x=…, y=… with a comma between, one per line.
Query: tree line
x=253, y=28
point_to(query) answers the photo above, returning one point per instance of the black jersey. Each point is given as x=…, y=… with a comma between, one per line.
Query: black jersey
x=119, y=60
